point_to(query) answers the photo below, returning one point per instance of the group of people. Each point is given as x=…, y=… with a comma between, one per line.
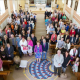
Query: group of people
x=18, y=36
x=63, y=36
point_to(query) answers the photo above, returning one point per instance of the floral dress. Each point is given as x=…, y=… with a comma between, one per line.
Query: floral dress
x=38, y=54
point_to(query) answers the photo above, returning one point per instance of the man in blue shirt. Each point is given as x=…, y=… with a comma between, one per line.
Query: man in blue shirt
x=51, y=30
x=67, y=27
x=17, y=43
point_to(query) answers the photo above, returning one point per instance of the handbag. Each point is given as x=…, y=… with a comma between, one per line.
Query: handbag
x=25, y=48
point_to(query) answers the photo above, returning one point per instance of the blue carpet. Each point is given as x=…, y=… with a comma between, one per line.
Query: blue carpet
x=40, y=70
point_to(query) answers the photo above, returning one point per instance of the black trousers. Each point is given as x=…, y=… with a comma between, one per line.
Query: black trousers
x=53, y=42
x=9, y=58
x=57, y=69
x=20, y=52
x=14, y=47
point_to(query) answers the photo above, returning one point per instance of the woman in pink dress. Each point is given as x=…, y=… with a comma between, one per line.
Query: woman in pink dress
x=30, y=46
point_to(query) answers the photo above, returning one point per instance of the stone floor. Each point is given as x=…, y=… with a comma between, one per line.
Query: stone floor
x=40, y=30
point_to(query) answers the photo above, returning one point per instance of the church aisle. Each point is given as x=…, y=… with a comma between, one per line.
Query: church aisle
x=40, y=26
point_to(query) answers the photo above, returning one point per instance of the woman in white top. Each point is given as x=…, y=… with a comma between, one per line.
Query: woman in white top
x=73, y=53
x=59, y=36
x=67, y=45
x=60, y=22
x=23, y=44
x=48, y=28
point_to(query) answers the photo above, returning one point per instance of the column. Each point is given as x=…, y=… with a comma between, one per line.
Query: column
x=8, y=4
x=64, y=5
x=73, y=5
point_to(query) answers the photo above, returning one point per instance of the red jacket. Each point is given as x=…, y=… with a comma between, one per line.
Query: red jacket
x=72, y=33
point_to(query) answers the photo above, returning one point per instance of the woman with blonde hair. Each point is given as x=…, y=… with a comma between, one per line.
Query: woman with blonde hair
x=63, y=30
x=6, y=40
x=30, y=45
x=38, y=51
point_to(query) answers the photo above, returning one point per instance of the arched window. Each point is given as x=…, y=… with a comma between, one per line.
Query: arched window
x=2, y=7
x=69, y=3
x=63, y=1
x=78, y=8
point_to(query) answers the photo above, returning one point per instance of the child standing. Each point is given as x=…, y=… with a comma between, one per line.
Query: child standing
x=75, y=66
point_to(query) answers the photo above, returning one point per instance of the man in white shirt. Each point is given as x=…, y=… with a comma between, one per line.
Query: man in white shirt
x=9, y=20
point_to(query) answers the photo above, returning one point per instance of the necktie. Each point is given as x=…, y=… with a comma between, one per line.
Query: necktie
x=9, y=50
x=44, y=45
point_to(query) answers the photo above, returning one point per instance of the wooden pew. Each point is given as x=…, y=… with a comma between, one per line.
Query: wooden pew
x=33, y=30
x=54, y=46
x=77, y=74
x=7, y=63
x=4, y=74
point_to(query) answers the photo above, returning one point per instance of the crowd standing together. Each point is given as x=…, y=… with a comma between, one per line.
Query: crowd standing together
x=18, y=36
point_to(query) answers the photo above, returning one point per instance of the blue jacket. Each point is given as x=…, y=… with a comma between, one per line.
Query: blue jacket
x=44, y=48
x=73, y=40
x=29, y=26
x=67, y=28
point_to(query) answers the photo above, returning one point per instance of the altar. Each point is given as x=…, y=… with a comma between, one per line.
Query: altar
x=40, y=6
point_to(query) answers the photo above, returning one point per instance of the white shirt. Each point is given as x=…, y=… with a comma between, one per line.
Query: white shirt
x=71, y=52
x=48, y=29
x=23, y=43
x=68, y=46
x=9, y=20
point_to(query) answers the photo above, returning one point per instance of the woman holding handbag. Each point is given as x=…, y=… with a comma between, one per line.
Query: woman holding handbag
x=23, y=44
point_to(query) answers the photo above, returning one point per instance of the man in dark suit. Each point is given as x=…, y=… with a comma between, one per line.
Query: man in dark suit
x=9, y=33
x=29, y=25
x=44, y=48
x=72, y=39
x=59, y=16
x=49, y=13
x=21, y=20
x=34, y=39
x=46, y=14
x=28, y=34
x=78, y=52
x=9, y=51
x=77, y=40
x=78, y=31
x=27, y=18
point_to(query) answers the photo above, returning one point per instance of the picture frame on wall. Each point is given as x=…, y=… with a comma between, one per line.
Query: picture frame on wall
x=5, y=4
x=76, y=5
x=71, y=3
x=66, y=1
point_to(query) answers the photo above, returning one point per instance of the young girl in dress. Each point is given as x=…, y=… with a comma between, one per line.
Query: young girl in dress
x=75, y=66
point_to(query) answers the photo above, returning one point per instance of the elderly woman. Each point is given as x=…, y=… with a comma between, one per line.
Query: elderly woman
x=3, y=54
x=5, y=40
x=30, y=45
x=23, y=43
x=73, y=53
x=53, y=38
x=63, y=30
x=38, y=51
x=72, y=32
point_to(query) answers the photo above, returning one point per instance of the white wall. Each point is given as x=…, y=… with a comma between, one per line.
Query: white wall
x=67, y=14
x=2, y=26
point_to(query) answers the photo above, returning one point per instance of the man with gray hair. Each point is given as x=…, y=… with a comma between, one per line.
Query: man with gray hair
x=44, y=48
x=58, y=61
